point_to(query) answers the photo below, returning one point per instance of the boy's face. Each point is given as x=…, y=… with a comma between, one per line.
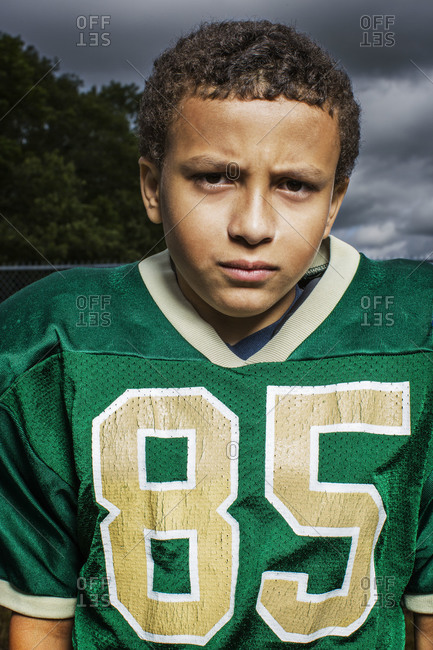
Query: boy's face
x=245, y=196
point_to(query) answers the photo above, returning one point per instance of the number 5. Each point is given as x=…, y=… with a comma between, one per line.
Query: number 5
x=296, y=417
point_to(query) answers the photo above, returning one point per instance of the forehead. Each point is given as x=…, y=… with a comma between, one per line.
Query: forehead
x=280, y=131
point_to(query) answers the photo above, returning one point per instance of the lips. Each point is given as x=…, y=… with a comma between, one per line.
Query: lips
x=248, y=266
x=245, y=271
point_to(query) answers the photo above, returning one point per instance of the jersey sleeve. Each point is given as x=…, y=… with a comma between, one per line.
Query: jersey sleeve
x=419, y=593
x=39, y=555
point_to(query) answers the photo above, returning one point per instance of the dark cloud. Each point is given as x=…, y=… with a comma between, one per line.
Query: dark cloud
x=140, y=30
x=373, y=37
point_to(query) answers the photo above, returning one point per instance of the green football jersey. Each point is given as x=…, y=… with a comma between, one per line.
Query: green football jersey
x=168, y=494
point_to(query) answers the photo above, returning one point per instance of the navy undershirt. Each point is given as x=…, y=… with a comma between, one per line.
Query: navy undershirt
x=251, y=344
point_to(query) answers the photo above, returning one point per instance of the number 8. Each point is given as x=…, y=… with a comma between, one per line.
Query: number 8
x=142, y=510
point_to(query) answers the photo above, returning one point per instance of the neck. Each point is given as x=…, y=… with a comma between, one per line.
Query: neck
x=232, y=329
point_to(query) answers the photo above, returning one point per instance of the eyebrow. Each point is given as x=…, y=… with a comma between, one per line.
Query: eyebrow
x=204, y=160
x=214, y=163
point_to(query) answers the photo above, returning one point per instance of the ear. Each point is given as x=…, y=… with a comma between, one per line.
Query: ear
x=150, y=179
x=337, y=199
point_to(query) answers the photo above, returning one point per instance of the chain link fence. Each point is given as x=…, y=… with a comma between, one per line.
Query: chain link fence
x=13, y=278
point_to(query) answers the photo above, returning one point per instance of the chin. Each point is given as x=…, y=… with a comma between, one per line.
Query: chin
x=238, y=310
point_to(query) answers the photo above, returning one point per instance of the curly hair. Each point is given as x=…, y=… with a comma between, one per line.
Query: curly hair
x=247, y=60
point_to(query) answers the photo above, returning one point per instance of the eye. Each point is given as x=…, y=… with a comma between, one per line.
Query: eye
x=294, y=185
x=297, y=189
x=214, y=179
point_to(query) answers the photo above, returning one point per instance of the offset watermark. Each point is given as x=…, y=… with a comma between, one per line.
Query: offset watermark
x=93, y=31
x=377, y=30
x=382, y=589
x=376, y=311
x=232, y=450
x=93, y=310
x=93, y=591
x=233, y=171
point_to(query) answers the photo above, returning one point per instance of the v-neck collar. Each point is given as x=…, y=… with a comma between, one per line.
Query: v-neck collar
x=161, y=283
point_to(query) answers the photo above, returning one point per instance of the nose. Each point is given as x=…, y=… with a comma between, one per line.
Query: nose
x=252, y=220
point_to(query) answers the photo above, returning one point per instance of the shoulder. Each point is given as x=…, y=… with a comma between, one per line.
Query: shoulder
x=406, y=284
x=52, y=290
x=404, y=274
x=45, y=315
x=388, y=306
x=53, y=298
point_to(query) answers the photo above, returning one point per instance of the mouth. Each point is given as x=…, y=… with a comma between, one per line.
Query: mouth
x=248, y=271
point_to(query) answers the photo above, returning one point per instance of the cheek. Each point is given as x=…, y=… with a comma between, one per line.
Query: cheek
x=191, y=232
x=189, y=248
x=298, y=251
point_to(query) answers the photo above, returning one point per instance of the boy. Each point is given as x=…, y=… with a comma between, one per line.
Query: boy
x=235, y=461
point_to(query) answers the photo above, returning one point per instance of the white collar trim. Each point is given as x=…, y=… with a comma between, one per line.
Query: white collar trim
x=161, y=283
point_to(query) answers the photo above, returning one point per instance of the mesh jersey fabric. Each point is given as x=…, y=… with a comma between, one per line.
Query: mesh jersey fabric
x=172, y=502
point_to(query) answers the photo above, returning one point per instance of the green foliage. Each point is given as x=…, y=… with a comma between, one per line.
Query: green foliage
x=68, y=165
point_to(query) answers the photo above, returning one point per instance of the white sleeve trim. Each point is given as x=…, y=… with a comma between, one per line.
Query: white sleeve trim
x=421, y=604
x=36, y=606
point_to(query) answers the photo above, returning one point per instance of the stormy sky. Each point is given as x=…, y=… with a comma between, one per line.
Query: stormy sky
x=386, y=47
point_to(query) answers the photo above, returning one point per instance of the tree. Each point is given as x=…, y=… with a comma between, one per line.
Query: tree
x=68, y=163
